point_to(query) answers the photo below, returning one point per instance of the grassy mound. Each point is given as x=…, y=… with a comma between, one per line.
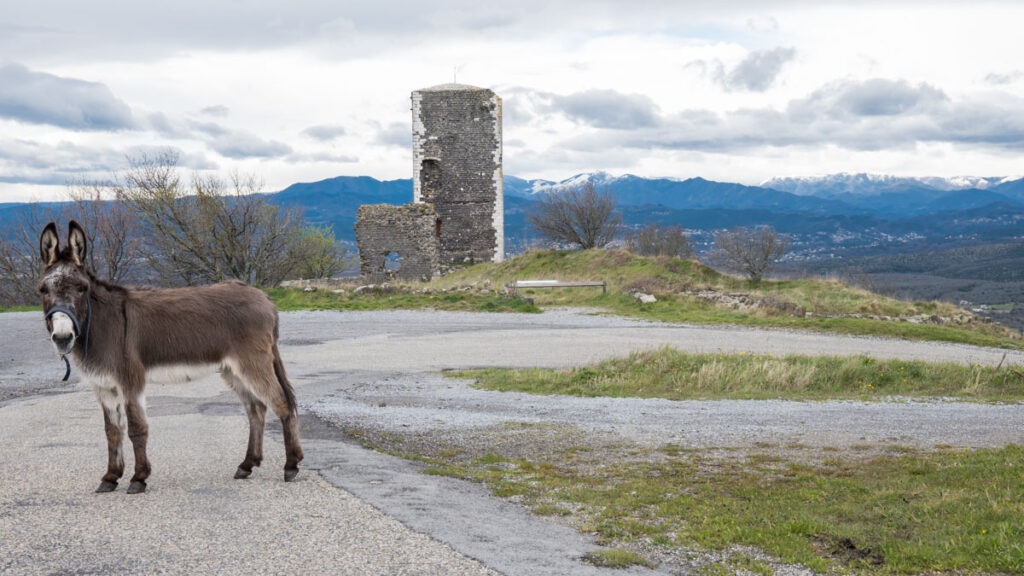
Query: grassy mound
x=688, y=291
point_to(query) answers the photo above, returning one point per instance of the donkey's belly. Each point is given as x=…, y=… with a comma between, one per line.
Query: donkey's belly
x=178, y=373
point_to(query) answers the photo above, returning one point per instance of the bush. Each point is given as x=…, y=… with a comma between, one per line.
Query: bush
x=750, y=251
x=655, y=240
x=580, y=215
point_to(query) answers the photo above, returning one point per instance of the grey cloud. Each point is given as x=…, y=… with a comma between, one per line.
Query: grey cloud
x=161, y=124
x=875, y=114
x=324, y=132
x=238, y=144
x=226, y=141
x=1006, y=78
x=395, y=134
x=758, y=71
x=27, y=161
x=607, y=109
x=190, y=160
x=41, y=98
x=875, y=97
x=219, y=111
x=328, y=157
x=209, y=128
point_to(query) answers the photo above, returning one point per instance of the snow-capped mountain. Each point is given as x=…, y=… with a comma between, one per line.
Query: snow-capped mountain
x=844, y=184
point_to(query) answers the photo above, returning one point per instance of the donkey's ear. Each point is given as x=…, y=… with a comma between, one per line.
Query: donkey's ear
x=77, y=243
x=49, y=244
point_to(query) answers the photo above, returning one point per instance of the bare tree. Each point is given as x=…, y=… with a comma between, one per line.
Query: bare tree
x=581, y=215
x=20, y=265
x=113, y=239
x=750, y=251
x=655, y=240
x=207, y=232
x=111, y=226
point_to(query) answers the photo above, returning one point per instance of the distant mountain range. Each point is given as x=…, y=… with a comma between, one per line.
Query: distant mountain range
x=836, y=216
x=842, y=211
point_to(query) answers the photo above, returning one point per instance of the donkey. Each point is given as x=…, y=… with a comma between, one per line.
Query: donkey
x=116, y=334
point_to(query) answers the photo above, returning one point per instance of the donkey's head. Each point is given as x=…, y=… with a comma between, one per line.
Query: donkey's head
x=64, y=286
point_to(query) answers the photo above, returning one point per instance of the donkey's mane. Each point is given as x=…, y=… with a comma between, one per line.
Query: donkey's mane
x=95, y=280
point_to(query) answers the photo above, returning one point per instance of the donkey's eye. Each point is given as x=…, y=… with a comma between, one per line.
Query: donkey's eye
x=44, y=290
x=81, y=289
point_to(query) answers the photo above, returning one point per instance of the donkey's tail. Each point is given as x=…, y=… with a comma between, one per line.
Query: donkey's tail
x=282, y=379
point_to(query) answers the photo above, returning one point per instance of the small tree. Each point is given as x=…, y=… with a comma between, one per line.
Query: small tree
x=580, y=215
x=655, y=240
x=750, y=251
x=320, y=254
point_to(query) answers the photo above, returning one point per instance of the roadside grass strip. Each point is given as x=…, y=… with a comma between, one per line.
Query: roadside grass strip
x=669, y=373
x=22, y=309
x=944, y=511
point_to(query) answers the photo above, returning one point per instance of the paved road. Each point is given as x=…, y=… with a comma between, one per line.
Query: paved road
x=352, y=511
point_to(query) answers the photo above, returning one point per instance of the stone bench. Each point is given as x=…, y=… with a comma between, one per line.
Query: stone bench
x=515, y=286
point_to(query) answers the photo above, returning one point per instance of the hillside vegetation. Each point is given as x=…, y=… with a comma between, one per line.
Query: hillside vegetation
x=689, y=292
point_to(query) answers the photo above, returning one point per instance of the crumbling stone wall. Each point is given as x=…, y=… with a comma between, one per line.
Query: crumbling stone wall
x=457, y=168
x=409, y=230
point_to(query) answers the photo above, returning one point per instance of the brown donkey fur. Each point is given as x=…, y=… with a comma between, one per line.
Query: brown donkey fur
x=116, y=334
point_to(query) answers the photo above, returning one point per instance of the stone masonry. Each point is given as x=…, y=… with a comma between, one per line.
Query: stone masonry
x=456, y=132
x=409, y=230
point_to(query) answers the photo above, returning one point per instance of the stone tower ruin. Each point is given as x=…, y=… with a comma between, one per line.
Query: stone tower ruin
x=456, y=150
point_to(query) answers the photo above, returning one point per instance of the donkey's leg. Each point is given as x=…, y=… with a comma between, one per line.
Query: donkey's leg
x=257, y=413
x=138, y=431
x=115, y=425
x=259, y=374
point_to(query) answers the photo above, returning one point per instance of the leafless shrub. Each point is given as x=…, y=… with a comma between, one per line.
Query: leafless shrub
x=655, y=240
x=581, y=215
x=750, y=251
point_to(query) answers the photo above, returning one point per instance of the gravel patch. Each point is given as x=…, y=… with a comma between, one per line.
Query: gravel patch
x=432, y=403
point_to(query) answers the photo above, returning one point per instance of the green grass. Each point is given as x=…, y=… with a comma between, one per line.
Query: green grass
x=22, y=309
x=668, y=373
x=949, y=510
x=293, y=299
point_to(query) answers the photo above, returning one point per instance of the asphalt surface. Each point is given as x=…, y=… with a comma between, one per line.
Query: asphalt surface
x=354, y=511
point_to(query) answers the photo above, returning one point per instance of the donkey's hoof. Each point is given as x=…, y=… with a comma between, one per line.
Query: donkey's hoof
x=106, y=486
x=242, y=473
x=290, y=475
x=137, y=487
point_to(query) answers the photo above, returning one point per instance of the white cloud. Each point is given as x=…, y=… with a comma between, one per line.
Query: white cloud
x=300, y=95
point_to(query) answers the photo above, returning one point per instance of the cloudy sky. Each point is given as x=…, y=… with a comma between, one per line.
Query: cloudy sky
x=301, y=91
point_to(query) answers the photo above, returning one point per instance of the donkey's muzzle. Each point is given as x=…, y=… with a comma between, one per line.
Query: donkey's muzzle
x=63, y=331
x=63, y=344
